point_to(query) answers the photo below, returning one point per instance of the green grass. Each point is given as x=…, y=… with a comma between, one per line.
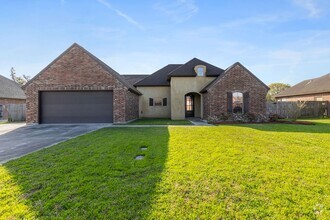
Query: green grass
x=160, y=121
x=3, y=122
x=258, y=171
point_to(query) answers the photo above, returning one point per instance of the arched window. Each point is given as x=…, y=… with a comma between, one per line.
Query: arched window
x=238, y=104
x=200, y=70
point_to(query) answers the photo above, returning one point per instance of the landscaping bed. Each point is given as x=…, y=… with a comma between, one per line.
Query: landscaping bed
x=159, y=121
x=250, y=118
x=270, y=122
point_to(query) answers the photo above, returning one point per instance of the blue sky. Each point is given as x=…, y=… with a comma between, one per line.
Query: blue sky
x=279, y=41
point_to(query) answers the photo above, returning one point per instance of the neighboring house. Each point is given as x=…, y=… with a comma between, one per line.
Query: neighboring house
x=10, y=93
x=317, y=89
x=77, y=87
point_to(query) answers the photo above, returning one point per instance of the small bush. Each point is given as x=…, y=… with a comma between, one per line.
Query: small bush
x=274, y=117
x=251, y=116
x=241, y=118
x=223, y=117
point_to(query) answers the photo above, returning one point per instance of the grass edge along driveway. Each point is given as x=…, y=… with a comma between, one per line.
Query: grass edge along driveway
x=242, y=171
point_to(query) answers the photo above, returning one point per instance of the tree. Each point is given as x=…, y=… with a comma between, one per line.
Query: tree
x=276, y=88
x=297, y=108
x=19, y=79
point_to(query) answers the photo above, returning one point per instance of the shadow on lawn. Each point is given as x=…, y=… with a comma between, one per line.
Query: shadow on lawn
x=94, y=176
x=319, y=127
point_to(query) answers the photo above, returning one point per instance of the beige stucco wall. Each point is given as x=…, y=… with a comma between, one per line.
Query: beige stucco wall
x=198, y=106
x=180, y=86
x=146, y=111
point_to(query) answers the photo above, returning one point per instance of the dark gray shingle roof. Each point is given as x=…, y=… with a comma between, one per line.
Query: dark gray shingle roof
x=310, y=86
x=10, y=89
x=134, y=78
x=187, y=69
x=160, y=77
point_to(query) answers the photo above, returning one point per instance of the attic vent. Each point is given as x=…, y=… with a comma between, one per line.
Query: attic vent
x=200, y=70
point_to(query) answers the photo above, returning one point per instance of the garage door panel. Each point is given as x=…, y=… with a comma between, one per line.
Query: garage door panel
x=76, y=107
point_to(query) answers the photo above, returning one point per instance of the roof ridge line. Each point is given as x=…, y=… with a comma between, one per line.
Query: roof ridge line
x=156, y=72
x=97, y=60
x=226, y=71
x=115, y=73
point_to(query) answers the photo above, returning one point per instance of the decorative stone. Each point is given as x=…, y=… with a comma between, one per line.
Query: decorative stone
x=139, y=157
x=144, y=148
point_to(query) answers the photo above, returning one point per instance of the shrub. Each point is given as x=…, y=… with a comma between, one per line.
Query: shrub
x=241, y=118
x=223, y=117
x=274, y=117
x=251, y=116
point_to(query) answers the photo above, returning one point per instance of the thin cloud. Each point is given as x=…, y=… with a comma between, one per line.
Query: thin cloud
x=310, y=5
x=258, y=20
x=178, y=10
x=121, y=14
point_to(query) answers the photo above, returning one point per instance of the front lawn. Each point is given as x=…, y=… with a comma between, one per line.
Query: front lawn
x=259, y=171
x=159, y=121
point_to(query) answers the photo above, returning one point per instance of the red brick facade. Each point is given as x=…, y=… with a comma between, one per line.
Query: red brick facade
x=77, y=70
x=311, y=97
x=5, y=102
x=132, y=106
x=236, y=79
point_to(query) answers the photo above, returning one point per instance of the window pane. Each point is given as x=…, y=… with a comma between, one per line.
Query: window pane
x=164, y=101
x=189, y=103
x=238, y=102
x=200, y=71
x=158, y=101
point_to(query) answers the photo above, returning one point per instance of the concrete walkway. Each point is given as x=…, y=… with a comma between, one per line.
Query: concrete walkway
x=200, y=122
x=5, y=128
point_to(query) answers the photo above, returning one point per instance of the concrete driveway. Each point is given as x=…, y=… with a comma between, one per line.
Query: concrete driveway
x=18, y=139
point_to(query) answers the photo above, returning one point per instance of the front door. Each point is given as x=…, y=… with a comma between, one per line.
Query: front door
x=189, y=102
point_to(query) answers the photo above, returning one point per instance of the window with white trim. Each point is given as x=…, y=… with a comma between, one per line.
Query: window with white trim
x=200, y=71
x=158, y=101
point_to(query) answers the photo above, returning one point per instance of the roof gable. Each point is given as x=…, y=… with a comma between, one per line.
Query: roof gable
x=10, y=89
x=206, y=88
x=98, y=61
x=310, y=86
x=187, y=69
x=159, y=78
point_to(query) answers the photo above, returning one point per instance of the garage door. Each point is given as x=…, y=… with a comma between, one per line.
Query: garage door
x=76, y=107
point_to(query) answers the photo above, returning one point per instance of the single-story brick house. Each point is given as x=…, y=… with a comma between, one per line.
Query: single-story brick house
x=317, y=89
x=10, y=93
x=77, y=87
